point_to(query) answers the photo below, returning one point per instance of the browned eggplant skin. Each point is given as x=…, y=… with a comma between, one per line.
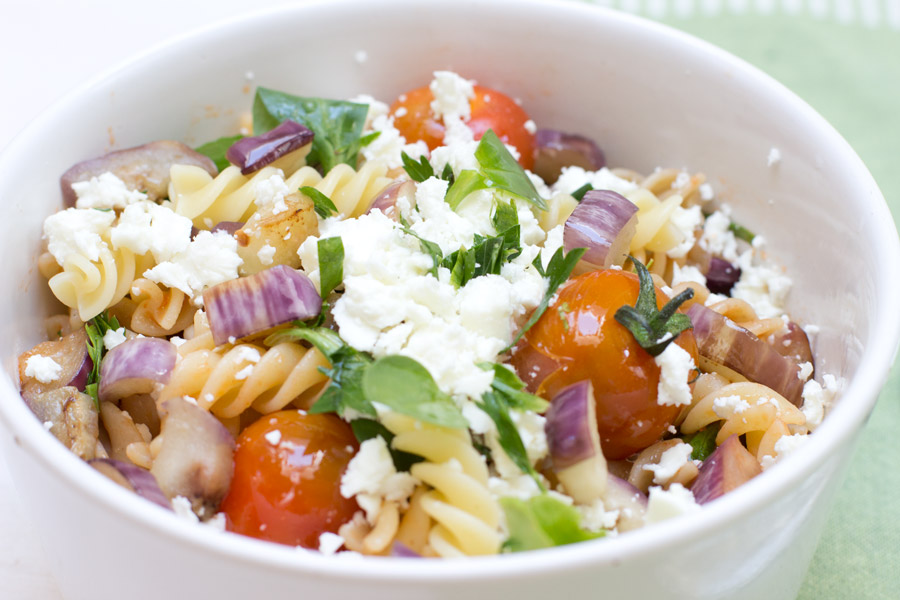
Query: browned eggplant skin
x=71, y=417
x=143, y=168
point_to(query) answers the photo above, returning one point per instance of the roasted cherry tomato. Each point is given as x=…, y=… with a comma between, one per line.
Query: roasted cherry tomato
x=578, y=338
x=490, y=110
x=287, y=478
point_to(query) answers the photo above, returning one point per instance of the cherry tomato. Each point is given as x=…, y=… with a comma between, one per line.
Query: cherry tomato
x=286, y=485
x=490, y=110
x=578, y=338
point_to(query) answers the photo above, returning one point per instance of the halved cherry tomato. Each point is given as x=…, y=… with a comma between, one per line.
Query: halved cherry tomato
x=286, y=485
x=578, y=338
x=490, y=110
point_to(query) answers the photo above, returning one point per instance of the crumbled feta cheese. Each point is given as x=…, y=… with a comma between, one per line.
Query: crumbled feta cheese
x=774, y=157
x=706, y=192
x=686, y=220
x=681, y=180
x=687, y=273
x=266, y=254
x=572, y=178
x=530, y=127
x=763, y=286
x=330, y=543
x=273, y=437
x=727, y=406
x=717, y=238
x=182, y=508
x=670, y=462
x=114, y=337
x=452, y=94
x=665, y=504
x=42, y=368
x=805, y=371
x=209, y=259
x=372, y=478
x=269, y=194
x=675, y=368
x=149, y=227
x=244, y=373
x=77, y=231
x=817, y=399
x=105, y=191
x=595, y=517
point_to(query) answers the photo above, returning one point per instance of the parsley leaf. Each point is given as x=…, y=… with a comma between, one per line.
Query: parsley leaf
x=322, y=204
x=503, y=171
x=542, y=522
x=505, y=216
x=468, y=181
x=331, y=264
x=496, y=406
x=337, y=124
x=95, y=329
x=704, y=441
x=217, y=149
x=366, y=429
x=417, y=170
x=653, y=328
x=462, y=267
x=507, y=383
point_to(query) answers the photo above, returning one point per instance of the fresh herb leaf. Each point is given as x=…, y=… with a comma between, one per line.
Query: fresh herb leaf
x=462, y=267
x=216, y=150
x=704, y=441
x=558, y=270
x=741, y=232
x=507, y=383
x=447, y=174
x=653, y=328
x=580, y=192
x=95, y=329
x=337, y=124
x=496, y=406
x=505, y=216
x=417, y=170
x=331, y=264
x=366, y=429
x=430, y=247
x=542, y=522
x=407, y=387
x=322, y=204
x=539, y=264
x=503, y=171
x=325, y=340
x=468, y=181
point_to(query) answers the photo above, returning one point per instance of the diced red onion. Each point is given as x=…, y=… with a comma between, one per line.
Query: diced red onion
x=252, y=304
x=574, y=442
x=728, y=467
x=554, y=150
x=603, y=222
x=723, y=342
x=721, y=276
x=386, y=201
x=134, y=478
x=135, y=367
x=253, y=153
x=628, y=500
x=793, y=343
x=142, y=168
x=401, y=550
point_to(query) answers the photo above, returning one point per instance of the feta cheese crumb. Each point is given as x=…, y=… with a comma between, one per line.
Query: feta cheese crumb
x=269, y=194
x=182, y=508
x=77, y=231
x=149, y=227
x=530, y=127
x=266, y=254
x=817, y=398
x=273, y=437
x=805, y=371
x=372, y=478
x=675, y=365
x=330, y=543
x=105, y=191
x=113, y=337
x=452, y=94
x=687, y=273
x=774, y=156
x=665, y=504
x=42, y=368
x=669, y=463
x=706, y=192
x=209, y=259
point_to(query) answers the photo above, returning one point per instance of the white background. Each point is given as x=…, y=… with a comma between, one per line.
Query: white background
x=47, y=48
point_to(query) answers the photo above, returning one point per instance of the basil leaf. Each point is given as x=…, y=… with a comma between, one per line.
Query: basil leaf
x=331, y=264
x=325, y=340
x=344, y=395
x=95, y=329
x=366, y=429
x=499, y=166
x=704, y=441
x=461, y=265
x=217, y=149
x=507, y=383
x=337, y=124
x=497, y=409
x=542, y=522
x=580, y=192
x=417, y=171
x=407, y=387
x=322, y=204
x=558, y=270
x=505, y=216
x=468, y=181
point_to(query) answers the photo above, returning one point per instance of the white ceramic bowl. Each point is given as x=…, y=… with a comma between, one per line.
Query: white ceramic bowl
x=650, y=96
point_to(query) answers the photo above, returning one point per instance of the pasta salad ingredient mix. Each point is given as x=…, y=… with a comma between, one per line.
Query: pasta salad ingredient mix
x=424, y=329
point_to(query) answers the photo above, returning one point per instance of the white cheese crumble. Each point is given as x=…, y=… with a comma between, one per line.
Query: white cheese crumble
x=728, y=406
x=686, y=221
x=273, y=437
x=77, y=231
x=149, y=227
x=765, y=287
x=372, y=478
x=42, y=368
x=805, y=371
x=706, y=192
x=266, y=255
x=675, y=368
x=330, y=543
x=774, y=157
x=572, y=178
x=595, y=517
x=114, y=337
x=669, y=463
x=666, y=504
x=717, y=238
x=105, y=191
x=269, y=194
x=687, y=273
x=817, y=398
x=530, y=126
x=209, y=259
x=452, y=94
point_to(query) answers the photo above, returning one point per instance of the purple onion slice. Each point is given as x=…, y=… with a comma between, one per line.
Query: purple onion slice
x=144, y=168
x=603, y=222
x=70, y=353
x=135, y=367
x=554, y=150
x=793, y=343
x=134, y=478
x=401, y=550
x=253, y=153
x=723, y=342
x=721, y=276
x=574, y=442
x=728, y=467
x=253, y=304
x=386, y=201
x=628, y=500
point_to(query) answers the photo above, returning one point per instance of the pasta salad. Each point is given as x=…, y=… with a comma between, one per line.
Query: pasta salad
x=423, y=329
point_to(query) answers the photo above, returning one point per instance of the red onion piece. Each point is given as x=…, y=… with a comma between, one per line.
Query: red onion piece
x=574, y=442
x=70, y=353
x=401, y=550
x=143, y=168
x=252, y=304
x=135, y=367
x=253, y=153
x=386, y=201
x=721, y=276
x=134, y=478
x=196, y=456
x=793, y=343
x=554, y=150
x=603, y=222
x=728, y=467
x=723, y=342
x=628, y=500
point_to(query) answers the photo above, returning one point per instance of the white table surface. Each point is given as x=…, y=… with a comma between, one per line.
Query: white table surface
x=47, y=48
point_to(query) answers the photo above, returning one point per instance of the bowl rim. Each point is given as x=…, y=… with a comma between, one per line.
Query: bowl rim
x=837, y=431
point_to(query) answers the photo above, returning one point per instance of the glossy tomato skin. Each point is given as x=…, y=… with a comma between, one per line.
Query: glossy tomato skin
x=578, y=338
x=289, y=491
x=490, y=110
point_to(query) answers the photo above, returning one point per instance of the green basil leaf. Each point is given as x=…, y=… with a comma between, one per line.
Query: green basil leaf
x=216, y=150
x=461, y=265
x=325, y=340
x=366, y=429
x=703, y=442
x=505, y=216
x=417, y=170
x=331, y=264
x=497, y=409
x=407, y=387
x=542, y=522
x=337, y=124
x=467, y=182
x=322, y=204
x=345, y=395
x=580, y=192
x=503, y=171
x=507, y=383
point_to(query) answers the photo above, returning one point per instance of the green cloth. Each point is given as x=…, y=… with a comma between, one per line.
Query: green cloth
x=843, y=58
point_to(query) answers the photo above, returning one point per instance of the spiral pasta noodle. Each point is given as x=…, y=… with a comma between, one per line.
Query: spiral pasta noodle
x=206, y=200
x=154, y=310
x=351, y=191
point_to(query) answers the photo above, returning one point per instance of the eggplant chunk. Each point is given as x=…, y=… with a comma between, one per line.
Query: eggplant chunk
x=69, y=353
x=71, y=417
x=142, y=168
